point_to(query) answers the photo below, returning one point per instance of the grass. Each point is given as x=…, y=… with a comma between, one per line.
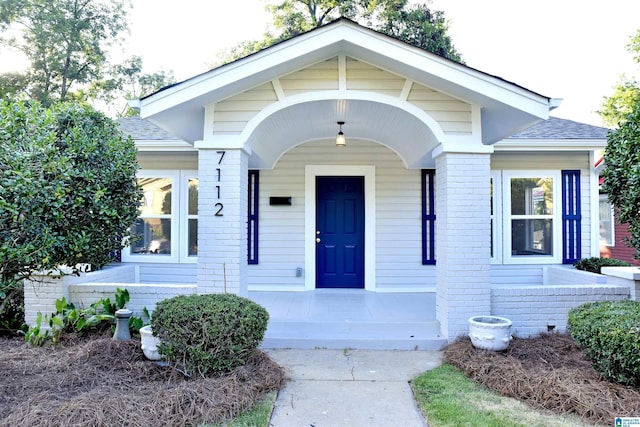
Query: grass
x=256, y=416
x=448, y=398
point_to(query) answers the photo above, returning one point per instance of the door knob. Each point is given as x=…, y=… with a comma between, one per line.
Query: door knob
x=317, y=240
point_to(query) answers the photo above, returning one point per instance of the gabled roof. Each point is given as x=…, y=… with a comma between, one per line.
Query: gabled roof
x=504, y=108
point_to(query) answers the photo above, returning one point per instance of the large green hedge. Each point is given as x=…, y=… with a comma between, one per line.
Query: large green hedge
x=208, y=334
x=68, y=189
x=609, y=334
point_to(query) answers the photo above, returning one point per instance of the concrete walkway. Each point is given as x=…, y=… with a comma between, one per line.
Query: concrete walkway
x=336, y=388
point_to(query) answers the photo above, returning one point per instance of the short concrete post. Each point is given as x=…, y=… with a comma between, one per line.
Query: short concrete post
x=122, y=325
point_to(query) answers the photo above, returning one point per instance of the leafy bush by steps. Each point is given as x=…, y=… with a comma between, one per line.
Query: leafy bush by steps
x=609, y=334
x=68, y=318
x=208, y=334
x=595, y=264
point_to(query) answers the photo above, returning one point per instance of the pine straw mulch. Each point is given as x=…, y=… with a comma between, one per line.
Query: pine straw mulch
x=547, y=372
x=102, y=382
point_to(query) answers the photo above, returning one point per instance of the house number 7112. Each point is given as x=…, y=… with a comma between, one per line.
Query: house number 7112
x=219, y=205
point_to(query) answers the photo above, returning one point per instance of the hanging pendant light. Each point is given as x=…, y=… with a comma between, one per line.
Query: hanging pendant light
x=341, y=141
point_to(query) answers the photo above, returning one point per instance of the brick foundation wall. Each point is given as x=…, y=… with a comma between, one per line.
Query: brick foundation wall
x=535, y=309
x=141, y=295
x=42, y=291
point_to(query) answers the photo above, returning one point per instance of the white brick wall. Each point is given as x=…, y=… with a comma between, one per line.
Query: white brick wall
x=141, y=295
x=463, y=244
x=568, y=275
x=222, y=240
x=41, y=292
x=533, y=309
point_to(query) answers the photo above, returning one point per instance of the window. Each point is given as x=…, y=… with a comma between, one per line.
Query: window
x=531, y=217
x=606, y=221
x=168, y=223
x=192, y=216
x=496, y=216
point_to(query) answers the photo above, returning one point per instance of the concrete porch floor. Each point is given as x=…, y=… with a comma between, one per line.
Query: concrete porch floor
x=355, y=319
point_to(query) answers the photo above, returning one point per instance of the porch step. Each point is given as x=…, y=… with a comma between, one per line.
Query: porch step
x=423, y=335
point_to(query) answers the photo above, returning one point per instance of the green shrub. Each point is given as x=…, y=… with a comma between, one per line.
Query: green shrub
x=208, y=334
x=96, y=318
x=595, y=264
x=609, y=334
x=12, y=311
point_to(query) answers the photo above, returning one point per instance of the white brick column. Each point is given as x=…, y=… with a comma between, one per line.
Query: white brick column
x=463, y=241
x=222, y=220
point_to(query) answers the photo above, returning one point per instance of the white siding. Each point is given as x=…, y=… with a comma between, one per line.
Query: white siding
x=167, y=273
x=398, y=211
x=232, y=114
x=516, y=275
x=453, y=115
x=530, y=160
x=168, y=160
x=362, y=76
x=322, y=76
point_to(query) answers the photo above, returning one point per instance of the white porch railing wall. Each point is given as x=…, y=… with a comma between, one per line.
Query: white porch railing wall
x=42, y=291
x=533, y=309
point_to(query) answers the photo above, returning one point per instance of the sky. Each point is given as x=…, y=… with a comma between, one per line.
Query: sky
x=569, y=49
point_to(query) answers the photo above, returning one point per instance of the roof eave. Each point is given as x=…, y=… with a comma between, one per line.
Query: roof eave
x=506, y=107
x=163, y=145
x=550, y=144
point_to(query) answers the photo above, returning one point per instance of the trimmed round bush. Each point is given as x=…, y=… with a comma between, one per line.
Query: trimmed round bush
x=208, y=334
x=609, y=334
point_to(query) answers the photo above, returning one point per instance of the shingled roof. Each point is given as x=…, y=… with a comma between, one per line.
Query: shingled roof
x=143, y=130
x=556, y=128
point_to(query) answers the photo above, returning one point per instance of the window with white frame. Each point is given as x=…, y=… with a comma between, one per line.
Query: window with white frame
x=526, y=217
x=496, y=216
x=167, y=229
x=606, y=221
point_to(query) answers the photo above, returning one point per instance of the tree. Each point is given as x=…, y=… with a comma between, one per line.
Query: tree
x=414, y=24
x=421, y=27
x=127, y=81
x=620, y=104
x=622, y=173
x=68, y=189
x=64, y=41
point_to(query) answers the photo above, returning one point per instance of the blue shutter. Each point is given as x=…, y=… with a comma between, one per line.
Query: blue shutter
x=428, y=217
x=571, y=217
x=252, y=217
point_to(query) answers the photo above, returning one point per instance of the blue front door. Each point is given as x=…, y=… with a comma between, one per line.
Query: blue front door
x=340, y=232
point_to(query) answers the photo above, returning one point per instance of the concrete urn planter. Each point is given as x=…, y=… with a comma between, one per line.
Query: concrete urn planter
x=490, y=332
x=149, y=343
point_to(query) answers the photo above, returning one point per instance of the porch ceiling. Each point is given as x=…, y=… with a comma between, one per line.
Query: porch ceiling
x=402, y=132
